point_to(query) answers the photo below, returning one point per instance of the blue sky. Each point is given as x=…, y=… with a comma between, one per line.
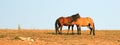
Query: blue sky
x=41, y=14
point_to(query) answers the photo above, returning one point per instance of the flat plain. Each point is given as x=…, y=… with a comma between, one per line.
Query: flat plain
x=48, y=37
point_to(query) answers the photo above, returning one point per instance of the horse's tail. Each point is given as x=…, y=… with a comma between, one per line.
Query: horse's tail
x=93, y=29
x=56, y=26
x=92, y=22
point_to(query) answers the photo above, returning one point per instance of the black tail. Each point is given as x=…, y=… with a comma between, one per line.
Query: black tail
x=56, y=26
x=93, y=29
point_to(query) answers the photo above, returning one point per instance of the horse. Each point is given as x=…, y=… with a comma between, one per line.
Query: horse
x=65, y=21
x=85, y=22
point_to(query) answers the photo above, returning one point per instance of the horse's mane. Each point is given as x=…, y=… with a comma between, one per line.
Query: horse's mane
x=74, y=17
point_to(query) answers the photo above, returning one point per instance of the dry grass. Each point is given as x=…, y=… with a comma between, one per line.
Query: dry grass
x=47, y=37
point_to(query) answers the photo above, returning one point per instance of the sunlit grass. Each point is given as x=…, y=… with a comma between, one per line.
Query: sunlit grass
x=49, y=37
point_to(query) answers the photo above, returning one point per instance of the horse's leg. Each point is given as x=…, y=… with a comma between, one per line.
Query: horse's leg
x=72, y=29
x=90, y=27
x=90, y=30
x=93, y=31
x=79, y=29
x=61, y=30
x=68, y=29
x=58, y=30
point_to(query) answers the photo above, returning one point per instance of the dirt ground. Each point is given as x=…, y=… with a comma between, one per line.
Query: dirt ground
x=47, y=37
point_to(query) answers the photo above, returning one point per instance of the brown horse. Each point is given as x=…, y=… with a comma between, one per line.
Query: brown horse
x=65, y=21
x=85, y=22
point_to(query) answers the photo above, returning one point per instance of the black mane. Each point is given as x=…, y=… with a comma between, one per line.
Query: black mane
x=74, y=17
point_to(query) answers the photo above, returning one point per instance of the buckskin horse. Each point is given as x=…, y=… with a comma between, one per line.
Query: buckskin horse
x=85, y=22
x=65, y=21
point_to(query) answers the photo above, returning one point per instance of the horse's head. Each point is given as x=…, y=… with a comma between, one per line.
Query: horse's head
x=75, y=16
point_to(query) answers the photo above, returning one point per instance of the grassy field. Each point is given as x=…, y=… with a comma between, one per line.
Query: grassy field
x=47, y=37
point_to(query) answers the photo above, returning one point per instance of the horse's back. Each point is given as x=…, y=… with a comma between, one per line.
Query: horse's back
x=90, y=19
x=64, y=20
x=83, y=21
